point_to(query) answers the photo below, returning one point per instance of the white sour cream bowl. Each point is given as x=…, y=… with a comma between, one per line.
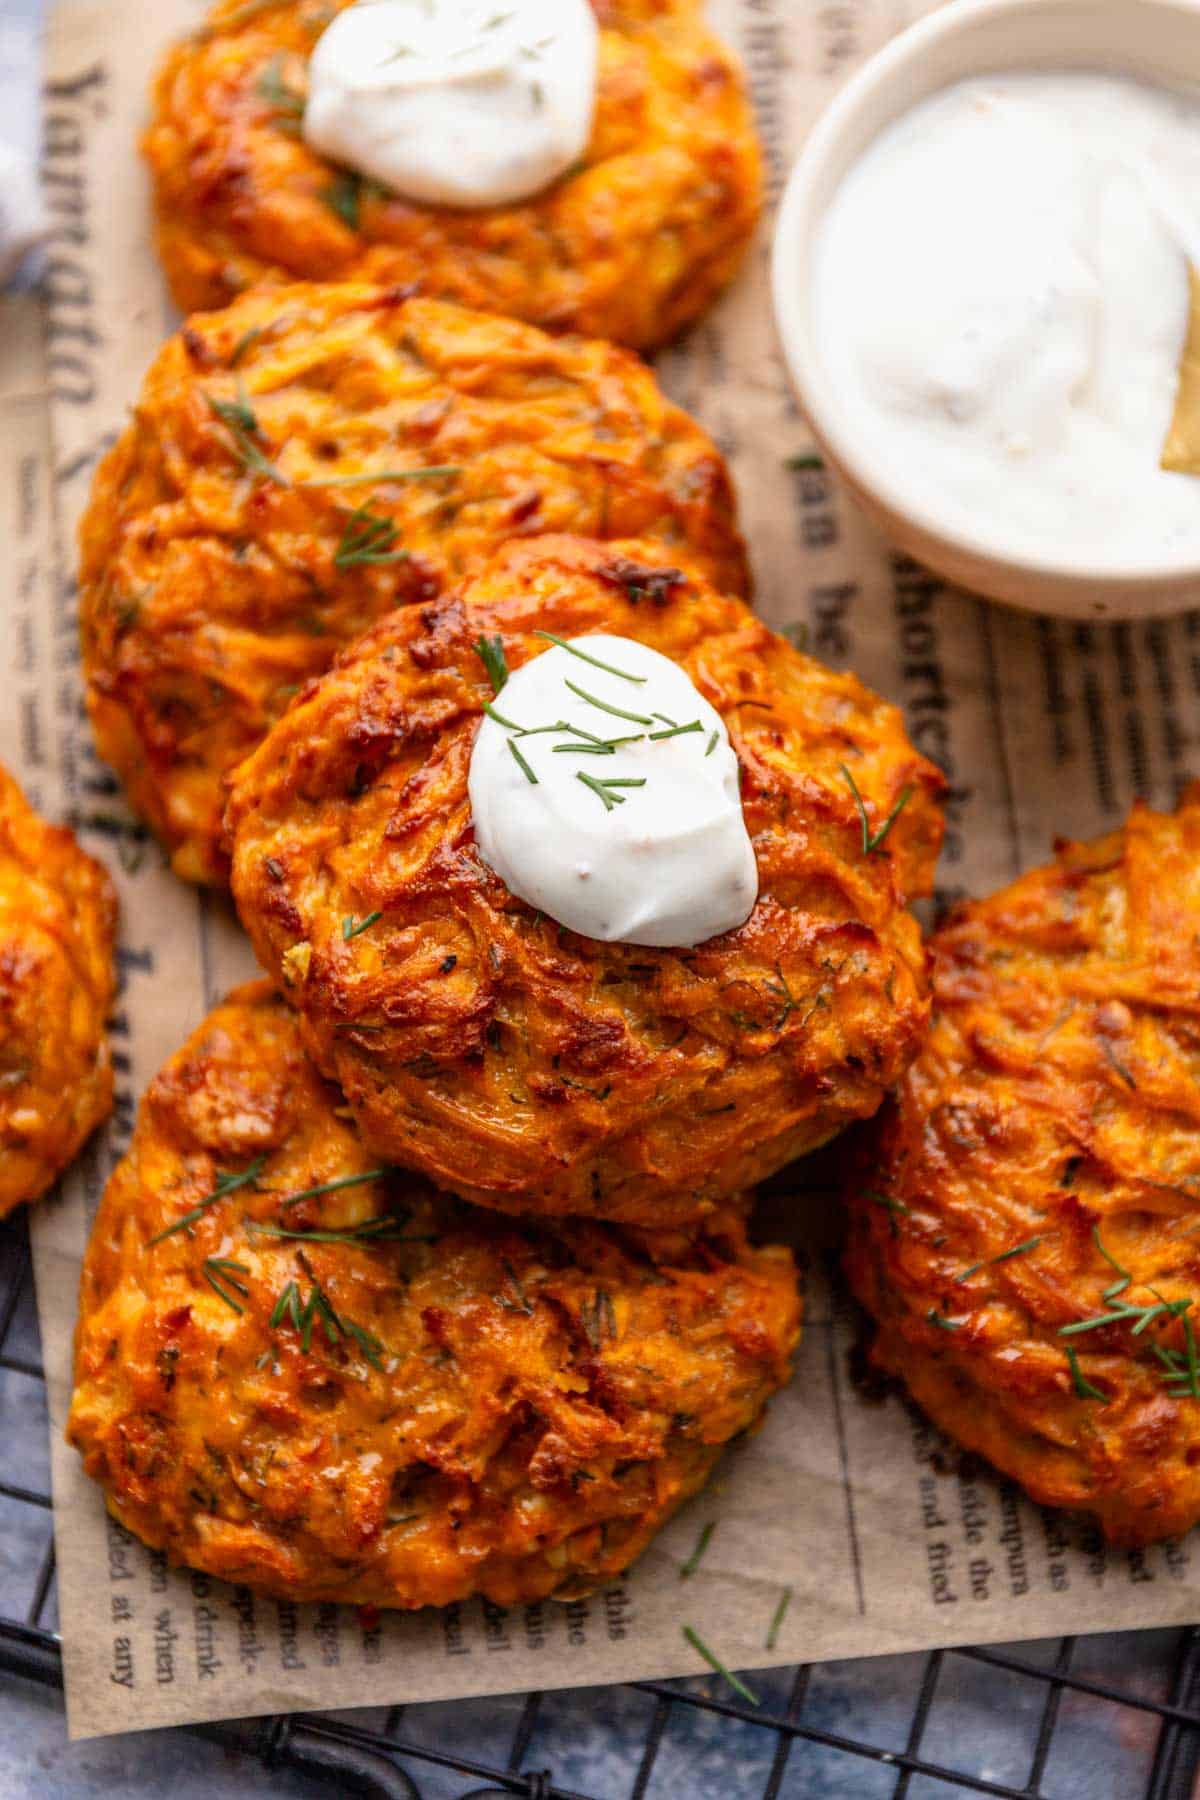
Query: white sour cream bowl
x=964, y=532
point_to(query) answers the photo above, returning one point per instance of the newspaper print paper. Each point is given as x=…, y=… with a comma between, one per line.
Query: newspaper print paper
x=887, y=1542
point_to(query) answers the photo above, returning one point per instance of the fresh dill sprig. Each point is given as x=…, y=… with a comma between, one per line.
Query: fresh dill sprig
x=656, y=737
x=352, y=928
x=368, y=1343
x=368, y=537
x=222, y=1275
x=318, y=1309
x=1182, y=1372
x=490, y=651
x=389, y=1229
x=896, y=1208
x=491, y=24
x=226, y=1184
x=1118, y=1287
x=1004, y=1256
x=246, y=342
x=1114, y=1063
x=334, y=1187
x=241, y=422
x=780, y=990
x=1083, y=1386
x=694, y=1560
x=272, y=88
x=521, y=763
x=713, y=741
x=618, y=712
x=524, y=1304
x=524, y=731
x=237, y=414
x=286, y=1307
x=604, y=788
x=780, y=1613
x=1118, y=1315
x=303, y=1315
x=714, y=1662
x=589, y=737
x=574, y=650
x=597, y=746
x=871, y=842
x=343, y=196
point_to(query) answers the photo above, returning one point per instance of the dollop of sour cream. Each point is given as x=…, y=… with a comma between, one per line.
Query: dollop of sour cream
x=642, y=842
x=467, y=103
x=1000, y=297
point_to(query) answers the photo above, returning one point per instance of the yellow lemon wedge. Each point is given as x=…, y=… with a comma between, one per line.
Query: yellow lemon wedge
x=1182, y=448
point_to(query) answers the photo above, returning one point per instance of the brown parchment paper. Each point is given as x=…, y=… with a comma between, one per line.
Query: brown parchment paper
x=886, y=1542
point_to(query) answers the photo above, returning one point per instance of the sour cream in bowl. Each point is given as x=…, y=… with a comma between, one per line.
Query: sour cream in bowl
x=983, y=285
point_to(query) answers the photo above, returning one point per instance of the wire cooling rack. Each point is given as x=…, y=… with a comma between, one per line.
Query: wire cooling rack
x=1074, y=1719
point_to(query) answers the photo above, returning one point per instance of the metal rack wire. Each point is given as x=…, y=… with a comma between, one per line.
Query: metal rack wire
x=785, y=1748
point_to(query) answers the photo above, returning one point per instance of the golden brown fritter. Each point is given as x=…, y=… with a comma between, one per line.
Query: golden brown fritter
x=227, y=556
x=405, y=1401
x=58, y=923
x=632, y=245
x=510, y=1060
x=1026, y=1214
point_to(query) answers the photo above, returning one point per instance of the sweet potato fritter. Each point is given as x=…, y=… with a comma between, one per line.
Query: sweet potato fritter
x=227, y=556
x=513, y=1061
x=426, y=1402
x=632, y=245
x=1026, y=1214
x=58, y=924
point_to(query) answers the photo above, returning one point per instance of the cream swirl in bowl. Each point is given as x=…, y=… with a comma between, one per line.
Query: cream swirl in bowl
x=981, y=281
